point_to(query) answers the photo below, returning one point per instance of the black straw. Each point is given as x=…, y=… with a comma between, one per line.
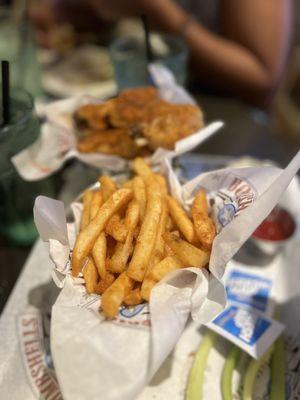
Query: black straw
x=5, y=92
x=149, y=52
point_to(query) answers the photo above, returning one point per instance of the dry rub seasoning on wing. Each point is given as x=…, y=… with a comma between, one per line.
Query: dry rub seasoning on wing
x=135, y=123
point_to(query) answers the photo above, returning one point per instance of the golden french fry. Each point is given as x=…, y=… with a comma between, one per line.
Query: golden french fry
x=142, y=169
x=158, y=251
x=159, y=247
x=128, y=184
x=96, y=203
x=200, y=201
x=105, y=283
x=113, y=297
x=190, y=255
x=165, y=266
x=147, y=236
x=116, y=228
x=87, y=237
x=168, y=250
x=140, y=195
x=147, y=286
x=206, y=231
x=90, y=275
x=180, y=218
x=170, y=226
x=204, y=226
x=133, y=298
x=162, y=183
x=117, y=263
x=148, y=282
x=157, y=254
x=132, y=215
x=99, y=254
x=85, y=216
x=108, y=186
x=123, y=251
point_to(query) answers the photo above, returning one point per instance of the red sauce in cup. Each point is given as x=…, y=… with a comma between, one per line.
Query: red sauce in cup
x=279, y=225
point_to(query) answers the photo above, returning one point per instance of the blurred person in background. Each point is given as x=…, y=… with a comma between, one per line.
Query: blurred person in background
x=236, y=47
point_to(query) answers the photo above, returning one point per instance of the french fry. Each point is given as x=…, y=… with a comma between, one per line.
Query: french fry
x=147, y=236
x=116, y=229
x=200, y=202
x=132, y=215
x=99, y=254
x=142, y=169
x=149, y=282
x=162, y=183
x=140, y=194
x=96, y=203
x=147, y=286
x=105, y=283
x=157, y=254
x=189, y=254
x=85, y=217
x=159, y=247
x=180, y=218
x=90, y=275
x=170, y=226
x=165, y=266
x=113, y=297
x=168, y=250
x=108, y=186
x=87, y=237
x=133, y=298
x=123, y=251
x=128, y=184
x=117, y=263
x=140, y=225
x=204, y=226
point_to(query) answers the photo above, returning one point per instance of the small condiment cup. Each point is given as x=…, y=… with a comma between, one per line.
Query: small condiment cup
x=260, y=249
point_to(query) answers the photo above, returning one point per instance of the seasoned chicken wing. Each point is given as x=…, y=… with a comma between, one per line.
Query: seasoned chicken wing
x=132, y=106
x=112, y=141
x=135, y=123
x=92, y=116
x=169, y=123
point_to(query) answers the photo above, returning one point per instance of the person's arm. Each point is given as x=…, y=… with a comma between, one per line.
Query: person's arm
x=250, y=56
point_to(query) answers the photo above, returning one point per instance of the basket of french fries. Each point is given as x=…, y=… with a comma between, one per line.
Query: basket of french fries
x=141, y=257
x=150, y=122
x=141, y=234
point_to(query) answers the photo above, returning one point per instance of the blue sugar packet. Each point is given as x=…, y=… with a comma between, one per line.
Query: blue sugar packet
x=251, y=331
x=249, y=290
x=246, y=320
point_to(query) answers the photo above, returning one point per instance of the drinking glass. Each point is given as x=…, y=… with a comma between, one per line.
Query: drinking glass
x=17, y=46
x=10, y=43
x=16, y=195
x=130, y=62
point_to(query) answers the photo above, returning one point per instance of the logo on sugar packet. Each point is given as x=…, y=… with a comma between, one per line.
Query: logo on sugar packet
x=243, y=324
x=234, y=195
x=249, y=290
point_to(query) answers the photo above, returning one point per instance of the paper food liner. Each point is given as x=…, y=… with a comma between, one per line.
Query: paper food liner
x=57, y=141
x=95, y=358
